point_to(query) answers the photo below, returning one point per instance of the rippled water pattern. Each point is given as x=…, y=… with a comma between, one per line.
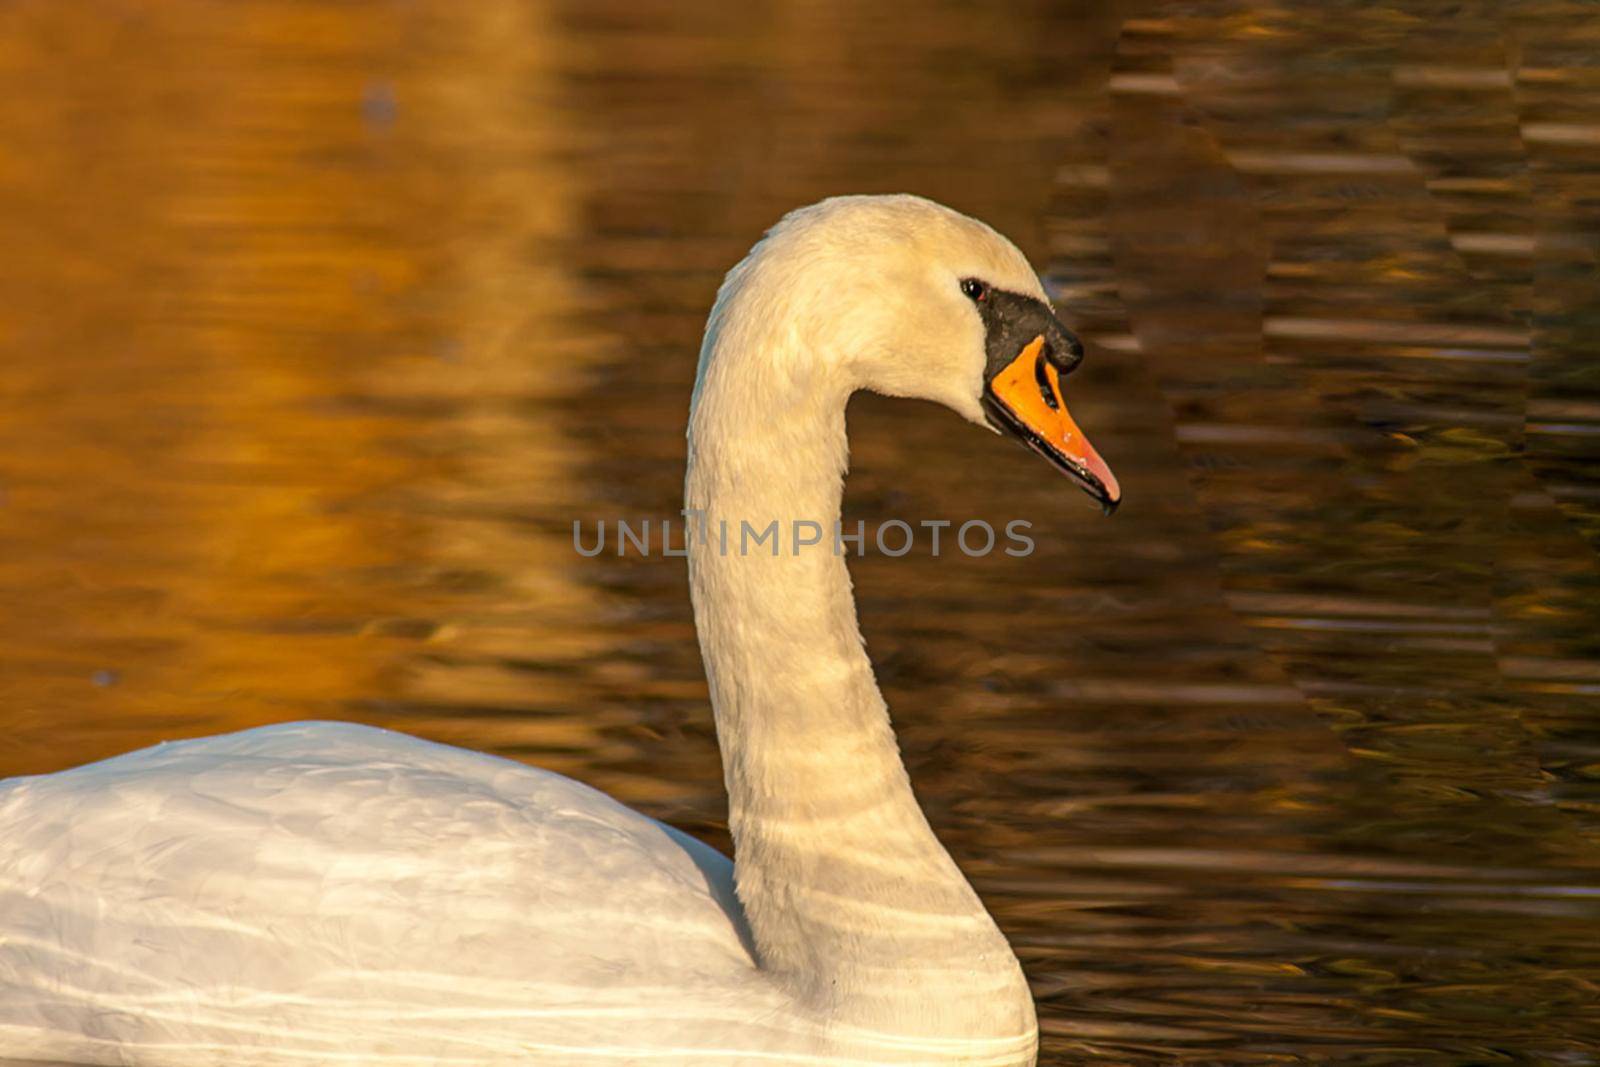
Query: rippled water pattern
x=324, y=321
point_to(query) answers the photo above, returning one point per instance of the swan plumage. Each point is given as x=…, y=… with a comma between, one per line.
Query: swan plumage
x=317, y=893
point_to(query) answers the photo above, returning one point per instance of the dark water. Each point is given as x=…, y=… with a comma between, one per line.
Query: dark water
x=324, y=321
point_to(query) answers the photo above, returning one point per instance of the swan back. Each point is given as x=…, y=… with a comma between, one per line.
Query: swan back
x=293, y=892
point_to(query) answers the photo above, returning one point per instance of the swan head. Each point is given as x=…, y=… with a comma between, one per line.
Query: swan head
x=906, y=297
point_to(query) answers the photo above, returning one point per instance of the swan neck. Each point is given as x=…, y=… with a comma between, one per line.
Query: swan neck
x=847, y=891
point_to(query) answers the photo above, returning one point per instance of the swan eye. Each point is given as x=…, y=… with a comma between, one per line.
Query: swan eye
x=974, y=289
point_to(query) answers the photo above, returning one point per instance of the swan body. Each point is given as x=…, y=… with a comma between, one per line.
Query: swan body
x=319, y=893
x=256, y=897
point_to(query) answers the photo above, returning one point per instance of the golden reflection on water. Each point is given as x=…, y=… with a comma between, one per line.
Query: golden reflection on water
x=325, y=321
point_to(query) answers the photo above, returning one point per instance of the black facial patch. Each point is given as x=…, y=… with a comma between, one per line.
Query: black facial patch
x=1011, y=320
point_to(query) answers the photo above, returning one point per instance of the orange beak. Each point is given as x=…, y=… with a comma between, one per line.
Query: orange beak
x=1026, y=399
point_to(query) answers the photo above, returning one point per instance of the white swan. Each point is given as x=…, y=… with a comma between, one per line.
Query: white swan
x=324, y=893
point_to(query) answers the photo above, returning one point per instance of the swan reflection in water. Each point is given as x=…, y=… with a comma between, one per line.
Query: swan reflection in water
x=312, y=890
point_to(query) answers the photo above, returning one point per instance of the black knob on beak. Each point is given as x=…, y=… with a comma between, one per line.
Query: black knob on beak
x=1064, y=351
